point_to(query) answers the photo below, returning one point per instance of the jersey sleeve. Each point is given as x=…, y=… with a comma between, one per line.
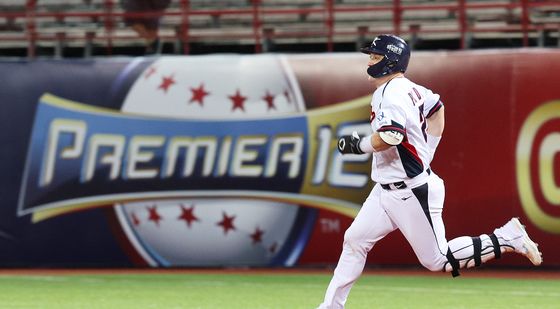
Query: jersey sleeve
x=432, y=103
x=390, y=117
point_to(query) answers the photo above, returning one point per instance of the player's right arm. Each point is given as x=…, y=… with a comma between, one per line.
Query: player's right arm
x=433, y=111
x=436, y=124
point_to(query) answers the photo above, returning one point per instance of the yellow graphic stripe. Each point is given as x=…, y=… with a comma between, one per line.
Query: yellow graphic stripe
x=79, y=204
x=53, y=100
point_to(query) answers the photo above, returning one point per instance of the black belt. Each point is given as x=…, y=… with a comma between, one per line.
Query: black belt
x=399, y=184
x=394, y=185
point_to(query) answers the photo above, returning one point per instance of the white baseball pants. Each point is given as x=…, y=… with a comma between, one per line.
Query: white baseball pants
x=417, y=213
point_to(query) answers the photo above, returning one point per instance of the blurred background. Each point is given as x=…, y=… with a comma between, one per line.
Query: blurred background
x=202, y=133
x=83, y=28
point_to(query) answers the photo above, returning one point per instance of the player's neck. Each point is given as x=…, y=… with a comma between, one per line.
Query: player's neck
x=377, y=82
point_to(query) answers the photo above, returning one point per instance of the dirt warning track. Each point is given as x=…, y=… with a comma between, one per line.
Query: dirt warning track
x=550, y=274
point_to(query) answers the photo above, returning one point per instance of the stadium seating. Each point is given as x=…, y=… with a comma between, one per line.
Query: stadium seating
x=267, y=25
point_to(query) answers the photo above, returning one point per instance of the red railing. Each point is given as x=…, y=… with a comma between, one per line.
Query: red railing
x=259, y=12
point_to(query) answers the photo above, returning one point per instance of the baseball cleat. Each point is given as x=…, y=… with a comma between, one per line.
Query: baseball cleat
x=515, y=234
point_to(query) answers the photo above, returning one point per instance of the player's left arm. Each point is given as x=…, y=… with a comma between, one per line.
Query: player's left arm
x=388, y=132
x=360, y=145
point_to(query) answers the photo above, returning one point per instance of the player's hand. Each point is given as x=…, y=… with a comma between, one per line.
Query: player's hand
x=350, y=144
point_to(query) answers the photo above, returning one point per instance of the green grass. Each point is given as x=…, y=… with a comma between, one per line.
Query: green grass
x=256, y=290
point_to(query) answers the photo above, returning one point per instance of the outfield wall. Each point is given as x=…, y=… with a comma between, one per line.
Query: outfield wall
x=229, y=160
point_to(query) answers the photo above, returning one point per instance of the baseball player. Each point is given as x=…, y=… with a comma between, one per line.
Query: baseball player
x=408, y=121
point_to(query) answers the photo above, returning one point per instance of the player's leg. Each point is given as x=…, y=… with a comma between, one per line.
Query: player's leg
x=512, y=237
x=467, y=251
x=436, y=254
x=370, y=225
x=417, y=214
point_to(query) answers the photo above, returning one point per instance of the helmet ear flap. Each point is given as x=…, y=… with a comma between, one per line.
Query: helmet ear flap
x=377, y=70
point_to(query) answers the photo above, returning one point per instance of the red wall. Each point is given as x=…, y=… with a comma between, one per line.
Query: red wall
x=488, y=98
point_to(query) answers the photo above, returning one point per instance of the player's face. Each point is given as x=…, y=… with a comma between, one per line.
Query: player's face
x=374, y=58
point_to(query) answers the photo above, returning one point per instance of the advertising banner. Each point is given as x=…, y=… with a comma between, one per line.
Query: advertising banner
x=229, y=160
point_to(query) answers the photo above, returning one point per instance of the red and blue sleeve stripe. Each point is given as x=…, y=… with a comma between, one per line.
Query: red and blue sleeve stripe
x=394, y=126
x=434, y=109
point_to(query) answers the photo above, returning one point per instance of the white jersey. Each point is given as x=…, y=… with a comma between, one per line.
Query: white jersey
x=403, y=106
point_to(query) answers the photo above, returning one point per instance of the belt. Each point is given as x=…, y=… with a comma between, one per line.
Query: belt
x=394, y=185
x=399, y=184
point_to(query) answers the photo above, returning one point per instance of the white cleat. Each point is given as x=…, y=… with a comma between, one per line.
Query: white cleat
x=516, y=236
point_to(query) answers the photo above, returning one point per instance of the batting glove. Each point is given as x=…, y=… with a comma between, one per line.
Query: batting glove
x=350, y=144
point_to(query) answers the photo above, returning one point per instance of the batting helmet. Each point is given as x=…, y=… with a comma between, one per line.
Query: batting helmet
x=395, y=51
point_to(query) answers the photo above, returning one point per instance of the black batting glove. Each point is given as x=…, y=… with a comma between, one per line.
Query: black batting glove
x=350, y=144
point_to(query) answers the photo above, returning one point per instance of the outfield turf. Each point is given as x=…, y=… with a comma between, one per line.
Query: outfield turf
x=268, y=290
